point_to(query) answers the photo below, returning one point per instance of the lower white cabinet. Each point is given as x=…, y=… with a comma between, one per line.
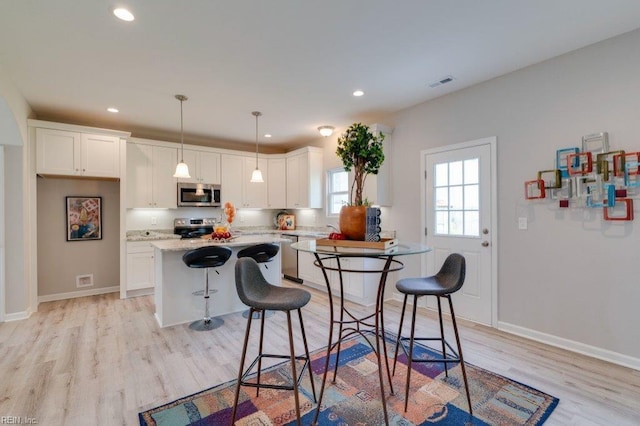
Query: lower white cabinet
x=140, y=265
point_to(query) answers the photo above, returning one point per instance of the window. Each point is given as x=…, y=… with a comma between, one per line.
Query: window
x=338, y=190
x=457, y=198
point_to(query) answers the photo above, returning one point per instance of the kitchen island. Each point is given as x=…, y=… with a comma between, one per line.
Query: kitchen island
x=175, y=283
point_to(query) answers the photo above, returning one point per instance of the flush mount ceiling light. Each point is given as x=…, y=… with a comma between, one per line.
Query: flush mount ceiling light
x=358, y=93
x=182, y=170
x=123, y=14
x=256, y=176
x=326, y=130
x=113, y=110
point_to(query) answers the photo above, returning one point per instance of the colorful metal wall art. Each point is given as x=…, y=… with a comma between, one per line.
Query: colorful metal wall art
x=591, y=177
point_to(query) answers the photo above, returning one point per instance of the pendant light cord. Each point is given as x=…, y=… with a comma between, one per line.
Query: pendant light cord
x=256, y=114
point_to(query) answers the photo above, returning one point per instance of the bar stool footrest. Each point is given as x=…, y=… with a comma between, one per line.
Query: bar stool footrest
x=243, y=381
x=201, y=292
x=449, y=358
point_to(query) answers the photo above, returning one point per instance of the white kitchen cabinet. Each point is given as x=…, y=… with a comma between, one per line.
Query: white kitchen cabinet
x=276, y=183
x=255, y=194
x=68, y=153
x=140, y=265
x=204, y=166
x=236, y=186
x=304, y=178
x=150, y=181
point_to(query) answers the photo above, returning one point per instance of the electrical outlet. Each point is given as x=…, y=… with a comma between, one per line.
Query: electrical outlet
x=522, y=223
x=314, y=217
x=241, y=218
x=154, y=220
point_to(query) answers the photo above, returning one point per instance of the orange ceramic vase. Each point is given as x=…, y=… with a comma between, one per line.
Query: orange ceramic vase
x=353, y=222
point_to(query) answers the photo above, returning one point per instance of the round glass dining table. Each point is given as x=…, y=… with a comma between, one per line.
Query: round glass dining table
x=348, y=323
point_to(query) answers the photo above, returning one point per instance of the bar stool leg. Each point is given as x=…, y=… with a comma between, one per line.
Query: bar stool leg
x=464, y=372
x=207, y=323
x=410, y=356
x=395, y=358
x=243, y=357
x=293, y=367
x=262, y=317
x=444, y=350
x=306, y=351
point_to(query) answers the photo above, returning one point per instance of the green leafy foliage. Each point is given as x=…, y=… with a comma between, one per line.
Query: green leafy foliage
x=360, y=150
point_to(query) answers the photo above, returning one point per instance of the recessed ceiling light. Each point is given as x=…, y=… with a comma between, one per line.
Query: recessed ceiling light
x=267, y=135
x=113, y=110
x=124, y=14
x=358, y=93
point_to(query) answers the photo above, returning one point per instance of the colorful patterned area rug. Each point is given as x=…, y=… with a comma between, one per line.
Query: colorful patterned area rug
x=355, y=397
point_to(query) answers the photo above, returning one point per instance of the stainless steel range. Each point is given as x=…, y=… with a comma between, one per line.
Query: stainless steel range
x=193, y=227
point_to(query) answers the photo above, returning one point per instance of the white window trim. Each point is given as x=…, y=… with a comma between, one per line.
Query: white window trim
x=330, y=173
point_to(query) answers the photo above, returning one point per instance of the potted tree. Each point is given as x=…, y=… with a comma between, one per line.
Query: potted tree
x=360, y=150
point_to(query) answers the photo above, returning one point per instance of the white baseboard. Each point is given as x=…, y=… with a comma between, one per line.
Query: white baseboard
x=571, y=345
x=140, y=292
x=16, y=316
x=79, y=293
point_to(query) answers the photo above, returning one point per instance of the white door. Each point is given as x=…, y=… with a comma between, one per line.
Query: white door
x=459, y=211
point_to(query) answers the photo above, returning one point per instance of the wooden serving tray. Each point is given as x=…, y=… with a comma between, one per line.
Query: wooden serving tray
x=383, y=244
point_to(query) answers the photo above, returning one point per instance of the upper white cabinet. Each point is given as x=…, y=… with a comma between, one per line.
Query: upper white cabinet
x=276, y=183
x=204, y=166
x=150, y=181
x=236, y=186
x=304, y=178
x=255, y=194
x=377, y=188
x=69, y=153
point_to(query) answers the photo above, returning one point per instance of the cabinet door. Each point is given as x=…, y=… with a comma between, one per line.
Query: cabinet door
x=255, y=194
x=140, y=270
x=294, y=165
x=208, y=167
x=276, y=183
x=57, y=152
x=231, y=168
x=165, y=188
x=139, y=176
x=190, y=157
x=100, y=155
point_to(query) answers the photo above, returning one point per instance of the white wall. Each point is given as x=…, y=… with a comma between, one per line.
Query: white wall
x=570, y=275
x=15, y=112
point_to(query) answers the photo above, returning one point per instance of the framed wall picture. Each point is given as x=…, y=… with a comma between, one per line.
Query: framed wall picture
x=84, y=218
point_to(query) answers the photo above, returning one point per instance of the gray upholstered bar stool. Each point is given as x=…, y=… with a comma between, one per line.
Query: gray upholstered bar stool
x=255, y=292
x=206, y=257
x=261, y=253
x=442, y=285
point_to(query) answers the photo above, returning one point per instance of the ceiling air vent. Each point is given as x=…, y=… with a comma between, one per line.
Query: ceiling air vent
x=443, y=80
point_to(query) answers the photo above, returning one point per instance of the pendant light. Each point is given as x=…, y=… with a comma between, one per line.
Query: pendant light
x=182, y=170
x=256, y=176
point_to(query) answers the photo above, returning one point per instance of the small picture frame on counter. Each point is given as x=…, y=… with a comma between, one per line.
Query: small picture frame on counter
x=289, y=222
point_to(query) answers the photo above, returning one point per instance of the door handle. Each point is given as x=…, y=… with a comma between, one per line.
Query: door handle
x=485, y=244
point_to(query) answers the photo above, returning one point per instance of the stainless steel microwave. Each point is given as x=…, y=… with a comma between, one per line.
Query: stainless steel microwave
x=198, y=195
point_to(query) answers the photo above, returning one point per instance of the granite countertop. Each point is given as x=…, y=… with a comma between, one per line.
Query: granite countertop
x=192, y=243
x=151, y=235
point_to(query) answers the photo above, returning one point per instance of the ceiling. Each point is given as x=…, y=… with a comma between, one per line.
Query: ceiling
x=297, y=62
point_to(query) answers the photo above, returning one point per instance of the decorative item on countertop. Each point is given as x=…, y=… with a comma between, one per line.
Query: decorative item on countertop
x=278, y=219
x=288, y=222
x=373, y=224
x=578, y=180
x=360, y=149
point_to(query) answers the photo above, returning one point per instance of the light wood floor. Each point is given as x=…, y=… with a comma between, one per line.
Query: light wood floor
x=101, y=360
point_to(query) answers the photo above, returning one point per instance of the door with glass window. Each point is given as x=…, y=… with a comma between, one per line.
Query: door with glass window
x=458, y=218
